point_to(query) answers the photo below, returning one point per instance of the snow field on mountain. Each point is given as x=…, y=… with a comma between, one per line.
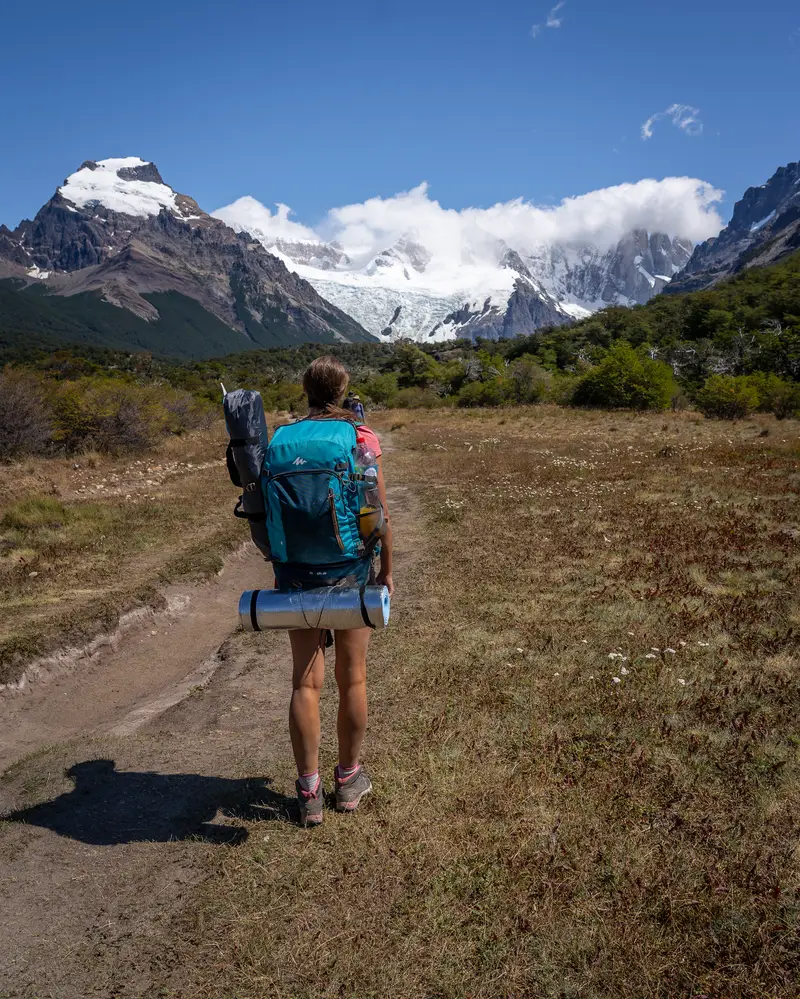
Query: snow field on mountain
x=105, y=187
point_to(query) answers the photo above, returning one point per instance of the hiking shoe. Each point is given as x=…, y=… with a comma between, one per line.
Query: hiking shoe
x=310, y=804
x=350, y=792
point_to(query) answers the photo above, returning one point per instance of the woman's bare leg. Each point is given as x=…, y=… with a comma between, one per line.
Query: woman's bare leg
x=308, y=654
x=351, y=679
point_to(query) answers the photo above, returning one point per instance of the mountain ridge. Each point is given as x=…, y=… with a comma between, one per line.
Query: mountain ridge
x=115, y=228
x=404, y=290
x=764, y=228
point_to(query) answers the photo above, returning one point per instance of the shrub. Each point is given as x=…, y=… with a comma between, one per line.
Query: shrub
x=727, y=397
x=775, y=395
x=563, y=388
x=417, y=398
x=380, y=390
x=108, y=414
x=491, y=393
x=625, y=379
x=530, y=381
x=25, y=418
x=283, y=396
x=186, y=412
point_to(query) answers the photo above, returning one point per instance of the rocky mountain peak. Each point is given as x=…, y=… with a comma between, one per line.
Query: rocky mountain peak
x=116, y=228
x=765, y=227
x=758, y=203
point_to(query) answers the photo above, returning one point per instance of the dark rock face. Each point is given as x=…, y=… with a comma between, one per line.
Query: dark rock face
x=182, y=249
x=765, y=227
x=529, y=308
x=147, y=171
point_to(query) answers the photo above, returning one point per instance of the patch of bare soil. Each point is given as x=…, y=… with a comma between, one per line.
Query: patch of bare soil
x=111, y=819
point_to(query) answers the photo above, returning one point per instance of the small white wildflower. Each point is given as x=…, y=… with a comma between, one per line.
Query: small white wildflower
x=654, y=649
x=631, y=634
x=704, y=644
x=682, y=683
x=556, y=674
x=520, y=651
x=624, y=671
x=592, y=677
x=615, y=679
x=681, y=643
x=651, y=655
x=585, y=641
x=671, y=651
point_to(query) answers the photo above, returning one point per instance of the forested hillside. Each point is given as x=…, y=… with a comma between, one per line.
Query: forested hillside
x=728, y=351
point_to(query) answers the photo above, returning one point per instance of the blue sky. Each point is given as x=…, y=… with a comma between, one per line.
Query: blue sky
x=319, y=104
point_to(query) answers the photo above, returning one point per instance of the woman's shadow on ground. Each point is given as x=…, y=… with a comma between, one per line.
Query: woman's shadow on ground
x=109, y=806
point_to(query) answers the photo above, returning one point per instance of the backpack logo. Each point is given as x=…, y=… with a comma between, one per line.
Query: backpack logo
x=299, y=461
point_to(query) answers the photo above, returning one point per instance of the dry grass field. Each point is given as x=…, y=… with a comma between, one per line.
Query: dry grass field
x=584, y=732
x=84, y=539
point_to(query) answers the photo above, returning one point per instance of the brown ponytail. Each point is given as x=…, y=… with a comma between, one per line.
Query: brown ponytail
x=325, y=382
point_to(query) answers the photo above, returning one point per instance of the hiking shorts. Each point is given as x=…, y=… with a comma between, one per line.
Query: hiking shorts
x=358, y=573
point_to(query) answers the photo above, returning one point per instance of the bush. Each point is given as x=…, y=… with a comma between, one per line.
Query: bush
x=25, y=418
x=283, y=396
x=625, y=379
x=727, y=397
x=380, y=390
x=775, y=395
x=186, y=412
x=491, y=393
x=530, y=381
x=108, y=414
x=563, y=389
x=417, y=398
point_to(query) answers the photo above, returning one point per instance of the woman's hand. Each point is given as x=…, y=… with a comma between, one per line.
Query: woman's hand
x=385, y=579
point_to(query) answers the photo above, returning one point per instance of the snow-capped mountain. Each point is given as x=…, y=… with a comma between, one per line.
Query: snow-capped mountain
x=408, y=290
x=115, y=230
x=765, y=227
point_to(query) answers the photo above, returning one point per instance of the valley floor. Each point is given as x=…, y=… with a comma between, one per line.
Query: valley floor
x=582, y=739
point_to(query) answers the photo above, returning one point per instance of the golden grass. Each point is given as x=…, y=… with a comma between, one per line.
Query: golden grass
x=85, y=539
x=584, y=732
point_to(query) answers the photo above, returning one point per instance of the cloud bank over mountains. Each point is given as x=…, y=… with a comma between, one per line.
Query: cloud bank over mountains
x=678, y=206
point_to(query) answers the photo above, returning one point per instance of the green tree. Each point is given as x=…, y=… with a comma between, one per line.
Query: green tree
x=728, y=397
x=625, y=379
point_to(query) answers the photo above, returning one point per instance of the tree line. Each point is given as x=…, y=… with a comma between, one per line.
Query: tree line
x=728, y=351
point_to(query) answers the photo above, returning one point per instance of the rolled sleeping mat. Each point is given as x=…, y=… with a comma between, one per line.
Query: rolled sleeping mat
x=247, y=429
x=338, y=608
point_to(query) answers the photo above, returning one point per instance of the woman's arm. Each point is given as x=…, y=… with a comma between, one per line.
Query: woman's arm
x=385, y=575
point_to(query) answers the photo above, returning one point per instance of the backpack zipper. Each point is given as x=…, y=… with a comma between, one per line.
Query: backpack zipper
x=335, y=519
x=308, y=471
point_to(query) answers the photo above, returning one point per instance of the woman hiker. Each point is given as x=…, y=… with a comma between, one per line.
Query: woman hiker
x=325, y=383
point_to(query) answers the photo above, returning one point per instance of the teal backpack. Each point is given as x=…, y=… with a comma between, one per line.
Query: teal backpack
x=312, y=494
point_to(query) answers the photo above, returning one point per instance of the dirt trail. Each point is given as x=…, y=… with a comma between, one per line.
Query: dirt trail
x=146, y=666
x=140, y=767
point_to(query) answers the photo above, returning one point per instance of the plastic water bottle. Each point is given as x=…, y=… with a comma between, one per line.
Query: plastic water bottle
x=371, y=512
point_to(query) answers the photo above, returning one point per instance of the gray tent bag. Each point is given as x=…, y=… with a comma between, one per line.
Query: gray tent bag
x=247, y=429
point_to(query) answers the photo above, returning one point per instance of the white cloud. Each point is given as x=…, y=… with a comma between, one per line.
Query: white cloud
x=551, y=21
x=683, y=116
x=247, y=213
x=679, y=206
